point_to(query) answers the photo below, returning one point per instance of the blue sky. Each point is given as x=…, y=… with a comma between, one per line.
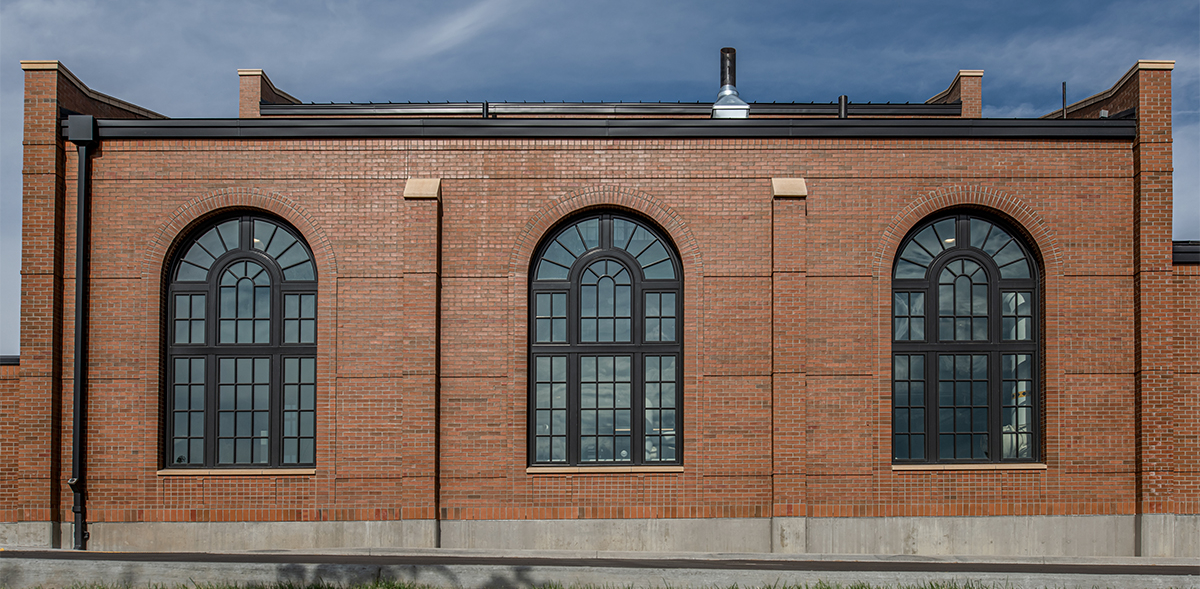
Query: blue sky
x=180, y=59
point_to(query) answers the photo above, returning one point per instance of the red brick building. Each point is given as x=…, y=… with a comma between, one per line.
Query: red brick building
x=822, y=328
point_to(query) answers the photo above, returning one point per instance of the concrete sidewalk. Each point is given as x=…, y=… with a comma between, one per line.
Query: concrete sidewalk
x=22, y=567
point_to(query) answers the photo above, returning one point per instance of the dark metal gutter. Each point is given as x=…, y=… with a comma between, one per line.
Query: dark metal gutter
x=82, y=132
x=1185, y=252
x=10, y=360
x=434, y=128
x=649, y=109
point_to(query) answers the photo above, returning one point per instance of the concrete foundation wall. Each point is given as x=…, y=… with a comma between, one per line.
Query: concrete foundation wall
x=649, y=535
x=1103, y=535
x=227, y=536
x=1168, y=535
x=39, y=534
x=1068, y=536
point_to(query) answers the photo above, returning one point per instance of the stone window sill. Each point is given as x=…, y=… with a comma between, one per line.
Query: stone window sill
x=601, y=469
x=235, y=472
x=938, y=467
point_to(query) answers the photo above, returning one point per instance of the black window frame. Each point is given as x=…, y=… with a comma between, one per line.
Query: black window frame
x=995, y=347
x=637, y=349
x=212, y=351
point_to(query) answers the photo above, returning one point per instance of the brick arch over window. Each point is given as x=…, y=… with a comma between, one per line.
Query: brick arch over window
x=1033, y=228
x=195, y=212
x=612, y=198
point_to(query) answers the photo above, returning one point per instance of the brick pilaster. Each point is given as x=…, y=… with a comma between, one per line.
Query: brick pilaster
x=255, y=88
x=967, y=87
x=1155, y=402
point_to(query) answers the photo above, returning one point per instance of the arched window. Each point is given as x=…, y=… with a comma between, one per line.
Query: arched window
x=241, y=348
x=965, y=344
x=605, y=337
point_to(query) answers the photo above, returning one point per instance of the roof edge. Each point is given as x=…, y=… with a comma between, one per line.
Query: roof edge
x=53, y=64
x=1142, y=64
x=262, y=74
x=552, y=128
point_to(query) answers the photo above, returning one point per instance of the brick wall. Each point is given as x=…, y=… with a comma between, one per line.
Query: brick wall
x=817, y=350
x=10, y=391
x=422, y=329
x=1187, y=388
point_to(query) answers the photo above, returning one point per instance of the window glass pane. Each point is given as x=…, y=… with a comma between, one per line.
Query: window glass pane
x=622, y=232
x=200, y=256
x=962, y=302
x=244, y=410
x=608, y=301
x=659, y=401
x=551, y=378
x=979, y=232
x=908, y=312
x=299, y=415
x=664, y=270
x=229, y=234
x=996, y=240
x=660, y=317
x=1011, y=252
x=187, y=424
x=263, y=233
x=640, y=241
x=946, y=232
x=908, y=373
x=572, y=242
x=924, y=246
x=1017, y=311
x=548, y=270
x=1017, y=269
x=653, y=255
x=590, y=232
x=280, y=243
x=293, y=256
x=598, y=427
x=559, y=255
x=308, y=451
x=906, y=269
x=965, y=412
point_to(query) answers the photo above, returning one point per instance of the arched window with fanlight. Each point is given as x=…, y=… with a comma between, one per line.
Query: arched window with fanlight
x=605, y=356
x=241, y=347
x=965, y=344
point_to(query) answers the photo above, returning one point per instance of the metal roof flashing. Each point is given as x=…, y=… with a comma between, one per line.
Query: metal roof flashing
x=614, y=128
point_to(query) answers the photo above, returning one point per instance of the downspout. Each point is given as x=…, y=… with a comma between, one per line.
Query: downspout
x=81, y=130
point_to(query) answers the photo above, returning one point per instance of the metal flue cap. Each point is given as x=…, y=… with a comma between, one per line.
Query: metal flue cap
x=728, y=104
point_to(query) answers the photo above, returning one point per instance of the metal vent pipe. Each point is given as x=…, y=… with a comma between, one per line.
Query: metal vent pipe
x=843, y=106
x=729, y=105
x=728, y=66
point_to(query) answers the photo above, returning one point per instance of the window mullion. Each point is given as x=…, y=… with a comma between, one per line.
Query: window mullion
x=573, y=409
x=210, y=409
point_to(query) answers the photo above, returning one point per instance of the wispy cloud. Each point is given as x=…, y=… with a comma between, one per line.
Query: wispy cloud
x=463, y=27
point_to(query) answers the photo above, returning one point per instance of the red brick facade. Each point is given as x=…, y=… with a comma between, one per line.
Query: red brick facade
x=423, y=307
